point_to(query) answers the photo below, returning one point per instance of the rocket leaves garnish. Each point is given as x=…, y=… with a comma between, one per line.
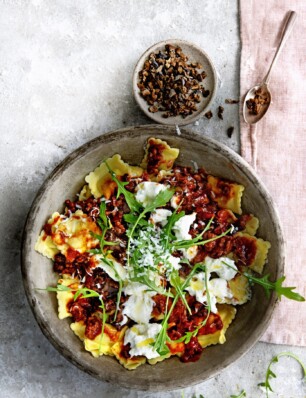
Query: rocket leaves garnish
x=269, y=286
x=241, y=395
x=276, y=286
x=270, y=374
x=129, y=196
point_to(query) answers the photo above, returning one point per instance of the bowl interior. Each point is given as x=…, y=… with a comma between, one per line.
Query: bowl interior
x=66, y=180
x=194, y=54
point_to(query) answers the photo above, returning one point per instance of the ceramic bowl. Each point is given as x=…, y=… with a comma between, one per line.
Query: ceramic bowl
x=194, y=54
x=67, y=179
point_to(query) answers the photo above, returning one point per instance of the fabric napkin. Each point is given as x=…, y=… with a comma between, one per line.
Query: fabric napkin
x=276, y=148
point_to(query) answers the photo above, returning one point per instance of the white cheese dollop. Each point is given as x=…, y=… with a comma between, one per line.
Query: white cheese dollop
x=174, y=202
x=147, y=191
x=160, y=216
x=182, y=226
x=224, y=267
x=219, y=288
x=140, y=337
x=139, y=305
x=190, y=253
x=116, y=271
x=219, y=291
x=174, y=262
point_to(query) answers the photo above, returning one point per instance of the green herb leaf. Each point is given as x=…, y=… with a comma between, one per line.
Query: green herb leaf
x=138, y=276
x=170, y=223
x=185, y=244
x=176, y=282
x=277, y=286
x=129, y=196
x=270, y=374
x=160, y=342
x=269, y=286
x=160, y=200
x=58, y=288
x=103, y=216
x=241, y=395
x=132, y=219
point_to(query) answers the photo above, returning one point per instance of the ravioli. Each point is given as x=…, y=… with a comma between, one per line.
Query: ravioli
x=124, y=268
x=227, y=194
x=100, y=182
x=159, y=156
x=73, y=232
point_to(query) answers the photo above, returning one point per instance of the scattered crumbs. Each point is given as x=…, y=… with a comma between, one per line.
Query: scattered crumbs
x=231, y=101
x=177, y=130
x=230, y=131
x=220, y=112
x=208, y=115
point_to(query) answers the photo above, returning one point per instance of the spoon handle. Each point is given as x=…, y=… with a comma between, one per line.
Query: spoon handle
x=286, y=33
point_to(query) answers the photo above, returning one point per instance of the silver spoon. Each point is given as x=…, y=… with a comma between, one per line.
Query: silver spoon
x=261, y=92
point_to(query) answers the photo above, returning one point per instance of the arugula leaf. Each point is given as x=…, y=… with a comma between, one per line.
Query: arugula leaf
x=277, y=286
x=160, y=342
x=188, y=335
x=132, y=218
x=241, y=395
x=168, y=227
x=270, y=374
x=176, y=282
x=58, y=288
x=103, y=216
x=129, y=196
x=185, y=244
x=160, y=200
x=145, y=280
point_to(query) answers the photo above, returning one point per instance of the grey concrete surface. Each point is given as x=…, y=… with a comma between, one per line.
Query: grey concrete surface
x=65, y=78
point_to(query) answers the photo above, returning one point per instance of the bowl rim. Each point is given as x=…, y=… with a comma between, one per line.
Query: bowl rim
x=245, y=168
x=191, y=118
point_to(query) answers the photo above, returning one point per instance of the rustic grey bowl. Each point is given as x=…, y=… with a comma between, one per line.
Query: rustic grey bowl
x=195, y=54
x=252, y=318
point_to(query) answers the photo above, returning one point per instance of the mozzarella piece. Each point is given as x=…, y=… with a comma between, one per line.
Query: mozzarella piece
x=182, y=226
x=147, y=192
x=224, y=267
x=174, y=202
x=190, y=253
x=139, y=305
x=160, y=216
x=197, y=287
x=219, y=288
x=174, y=262
x=140, y=337
x=116, y=271
x=219, y=292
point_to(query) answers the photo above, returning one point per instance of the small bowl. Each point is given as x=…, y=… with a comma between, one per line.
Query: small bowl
x=252, y=318
x=194, y=54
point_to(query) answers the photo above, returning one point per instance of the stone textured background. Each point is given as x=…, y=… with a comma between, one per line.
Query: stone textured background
x=65, y=78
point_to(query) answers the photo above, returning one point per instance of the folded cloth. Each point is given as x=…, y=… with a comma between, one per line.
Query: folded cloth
x=277, y=146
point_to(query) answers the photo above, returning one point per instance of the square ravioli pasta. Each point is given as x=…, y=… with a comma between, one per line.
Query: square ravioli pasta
x=151, y=259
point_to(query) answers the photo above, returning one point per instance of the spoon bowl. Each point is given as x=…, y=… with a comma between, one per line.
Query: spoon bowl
x=258, y=99
x=256, y=103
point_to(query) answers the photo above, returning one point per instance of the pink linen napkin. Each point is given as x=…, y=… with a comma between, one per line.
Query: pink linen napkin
x=277, y=147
